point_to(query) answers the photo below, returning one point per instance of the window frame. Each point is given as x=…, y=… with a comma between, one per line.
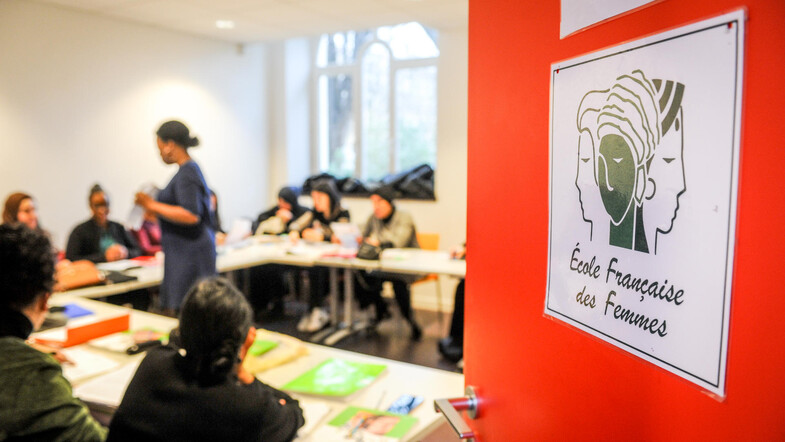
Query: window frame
x=354, y=71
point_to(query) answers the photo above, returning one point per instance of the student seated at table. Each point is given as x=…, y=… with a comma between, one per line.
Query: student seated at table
x=36, y=401
x=267, y=281
x=98, y=239
x=200, y=392
x=314, y=226
x=149, y=234
x=277, y=219
x=388, y=227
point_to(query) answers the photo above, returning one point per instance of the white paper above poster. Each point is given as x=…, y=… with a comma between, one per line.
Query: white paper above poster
x=579, y=14
x=644, y=175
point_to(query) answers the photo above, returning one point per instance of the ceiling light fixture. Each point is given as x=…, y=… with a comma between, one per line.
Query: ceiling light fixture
x=224, y=24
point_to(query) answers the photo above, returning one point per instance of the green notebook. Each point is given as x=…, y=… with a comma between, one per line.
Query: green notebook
x=335, y=377
x=261, y=346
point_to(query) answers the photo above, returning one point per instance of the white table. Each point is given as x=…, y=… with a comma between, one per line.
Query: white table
x=399, y=378
x=271, y=250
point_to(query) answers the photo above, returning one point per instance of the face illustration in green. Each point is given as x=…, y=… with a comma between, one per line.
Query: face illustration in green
x=616, y=176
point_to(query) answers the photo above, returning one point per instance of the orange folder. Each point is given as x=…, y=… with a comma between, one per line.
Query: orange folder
x=83, y=333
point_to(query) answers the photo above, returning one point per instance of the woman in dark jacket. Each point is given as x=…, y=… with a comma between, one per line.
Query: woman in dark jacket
x=200, y=392
x=99, y=239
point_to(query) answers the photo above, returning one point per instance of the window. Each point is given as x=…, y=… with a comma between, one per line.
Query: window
x=376, y=100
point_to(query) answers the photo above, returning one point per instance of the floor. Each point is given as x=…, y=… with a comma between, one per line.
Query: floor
x=391, y=338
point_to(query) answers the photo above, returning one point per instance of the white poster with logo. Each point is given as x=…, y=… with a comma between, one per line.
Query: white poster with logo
x=643, y=187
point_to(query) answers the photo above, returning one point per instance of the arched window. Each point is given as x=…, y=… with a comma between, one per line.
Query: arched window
x=377, y=101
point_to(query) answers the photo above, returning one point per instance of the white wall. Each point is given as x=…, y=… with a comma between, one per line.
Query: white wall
x=81, y=97
x=290, y=126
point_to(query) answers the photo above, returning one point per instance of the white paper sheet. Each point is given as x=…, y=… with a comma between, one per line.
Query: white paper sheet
x=109, y=388
x=85, y=364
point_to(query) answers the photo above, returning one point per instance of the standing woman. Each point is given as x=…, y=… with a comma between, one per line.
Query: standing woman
x=183, y=207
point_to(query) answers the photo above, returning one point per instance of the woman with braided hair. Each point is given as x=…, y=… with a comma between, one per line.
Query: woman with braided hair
x=200, y=391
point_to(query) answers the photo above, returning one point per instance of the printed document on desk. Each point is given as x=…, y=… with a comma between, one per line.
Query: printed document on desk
x=109, y=388
x=366, y=425
x=85, y=364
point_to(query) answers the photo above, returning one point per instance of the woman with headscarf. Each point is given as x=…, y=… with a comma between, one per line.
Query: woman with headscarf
x=314, y=226
x=199, y=390
x=277, y=219
x=388, y=227
x=183, y=208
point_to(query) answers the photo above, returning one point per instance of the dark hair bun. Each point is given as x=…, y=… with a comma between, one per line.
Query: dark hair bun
x=178, y=132
x=223, y=360
x=214, y=323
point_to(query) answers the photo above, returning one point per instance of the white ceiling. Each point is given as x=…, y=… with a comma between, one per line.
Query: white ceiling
x=264, y=20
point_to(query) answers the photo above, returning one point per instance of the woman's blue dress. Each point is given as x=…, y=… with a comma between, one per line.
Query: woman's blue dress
x=189, y=250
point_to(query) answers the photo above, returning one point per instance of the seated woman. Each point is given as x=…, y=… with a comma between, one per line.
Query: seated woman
x=149, y=235
x=266, y=281
x=388, y=227
x=200, y=392
x=37, y=401
x=314, y=225
x=277, y=219
x=98, y=239
x=20, y=208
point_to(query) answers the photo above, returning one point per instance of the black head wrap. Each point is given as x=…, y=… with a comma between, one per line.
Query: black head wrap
x=387, y=193
x=290, y=194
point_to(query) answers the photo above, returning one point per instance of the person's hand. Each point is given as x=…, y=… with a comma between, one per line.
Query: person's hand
x=294, y=236
x=63, y=263
x=144, y=200
x=116, y=252
x=458, y=252
x=373, y=241
x=313, y=235
x=55, y=352
x=220, y=238
x=284, y=214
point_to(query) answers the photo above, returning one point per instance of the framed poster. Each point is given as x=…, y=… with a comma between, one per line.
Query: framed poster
x=643, y=185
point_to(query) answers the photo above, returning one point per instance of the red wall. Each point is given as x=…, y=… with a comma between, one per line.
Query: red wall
x=542, y=380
